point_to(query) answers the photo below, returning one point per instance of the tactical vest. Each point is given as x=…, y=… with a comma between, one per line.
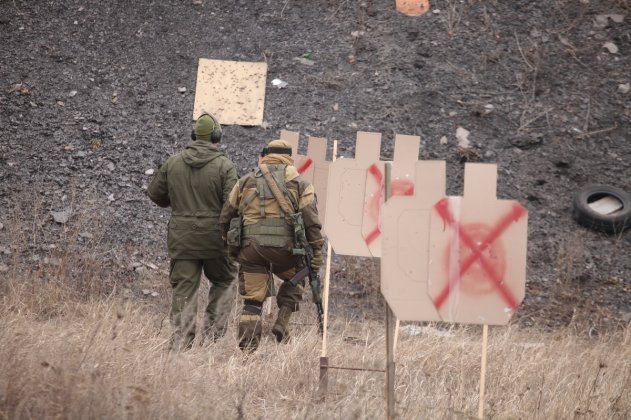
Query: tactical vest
x=270, y=231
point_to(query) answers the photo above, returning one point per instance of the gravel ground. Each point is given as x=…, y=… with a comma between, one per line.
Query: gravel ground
x=91, y=100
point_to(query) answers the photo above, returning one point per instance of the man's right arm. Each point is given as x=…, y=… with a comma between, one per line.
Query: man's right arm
x=229, y=210
x=158, y=189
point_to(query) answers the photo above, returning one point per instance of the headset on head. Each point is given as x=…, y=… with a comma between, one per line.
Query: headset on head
x=215, y=136
x=280, y=150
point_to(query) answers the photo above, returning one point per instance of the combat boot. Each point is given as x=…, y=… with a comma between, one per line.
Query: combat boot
x=281, y=326
x=213, y=334
x=217, y=310
x=250, y=330
x=180, y=343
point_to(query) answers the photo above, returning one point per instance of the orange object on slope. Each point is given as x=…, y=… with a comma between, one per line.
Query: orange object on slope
x=412, y=7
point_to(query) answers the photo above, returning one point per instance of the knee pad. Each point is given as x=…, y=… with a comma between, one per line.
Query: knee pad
x=252, y=307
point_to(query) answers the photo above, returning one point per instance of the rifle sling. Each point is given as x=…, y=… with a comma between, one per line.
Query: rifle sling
x=273, y=186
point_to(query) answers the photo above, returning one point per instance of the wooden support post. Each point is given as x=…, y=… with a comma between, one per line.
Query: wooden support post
x=323, y=384
x=390, y=367
x=396, y=336
x=485, y=336
x=390, y=327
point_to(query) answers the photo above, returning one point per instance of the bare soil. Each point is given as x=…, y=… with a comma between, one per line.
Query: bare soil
x=90, y=99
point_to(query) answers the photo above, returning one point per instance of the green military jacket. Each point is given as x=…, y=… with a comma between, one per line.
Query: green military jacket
x=195, y=183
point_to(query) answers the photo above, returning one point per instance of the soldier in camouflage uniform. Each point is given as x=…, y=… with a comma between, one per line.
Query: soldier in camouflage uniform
x=195, y=183
x=267, y=240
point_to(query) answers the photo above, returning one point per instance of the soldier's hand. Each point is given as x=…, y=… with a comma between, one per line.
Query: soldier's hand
x=316, y=261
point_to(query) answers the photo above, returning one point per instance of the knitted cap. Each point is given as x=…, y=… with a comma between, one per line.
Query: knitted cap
x=204, y=127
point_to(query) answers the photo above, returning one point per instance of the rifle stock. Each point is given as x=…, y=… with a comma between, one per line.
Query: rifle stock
x=316, y=291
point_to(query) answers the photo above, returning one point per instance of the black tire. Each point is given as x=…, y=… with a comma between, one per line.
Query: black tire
x=614, y=222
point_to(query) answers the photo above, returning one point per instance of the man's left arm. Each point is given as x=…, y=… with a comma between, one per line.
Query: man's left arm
x=229, y=210
x=229, y=179
x=313, y=226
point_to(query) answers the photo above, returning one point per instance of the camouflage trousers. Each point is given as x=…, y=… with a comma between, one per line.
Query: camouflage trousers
x=185, y=278
x=257, y=264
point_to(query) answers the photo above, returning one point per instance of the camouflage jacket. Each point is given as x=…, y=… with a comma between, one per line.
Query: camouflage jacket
x=302, y=192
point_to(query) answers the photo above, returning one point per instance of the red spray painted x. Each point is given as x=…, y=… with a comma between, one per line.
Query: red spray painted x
x=398, y=187
x=517, y=211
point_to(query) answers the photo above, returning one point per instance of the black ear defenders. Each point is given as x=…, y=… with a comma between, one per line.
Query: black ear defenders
x=215, y=136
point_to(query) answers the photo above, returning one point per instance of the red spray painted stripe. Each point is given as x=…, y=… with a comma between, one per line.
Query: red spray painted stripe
x=399, y=187
x=376, y=173
x=516, y=213
x=306, y=165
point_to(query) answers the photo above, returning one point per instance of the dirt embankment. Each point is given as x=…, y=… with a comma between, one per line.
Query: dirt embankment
x=90, y=100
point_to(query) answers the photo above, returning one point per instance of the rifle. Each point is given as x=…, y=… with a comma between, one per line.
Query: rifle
x=314, y=282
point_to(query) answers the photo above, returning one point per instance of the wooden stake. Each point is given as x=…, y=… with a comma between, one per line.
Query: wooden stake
x=390, y=366
x=327, y=279
x=323, y=385
x=325, y=297
x=390, y=327
x=396, y=336
x=485, y=336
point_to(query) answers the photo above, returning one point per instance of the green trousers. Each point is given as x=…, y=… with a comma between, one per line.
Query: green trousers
x=185, y=277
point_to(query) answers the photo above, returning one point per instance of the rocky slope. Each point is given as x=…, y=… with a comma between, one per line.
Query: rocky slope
x=92, y=98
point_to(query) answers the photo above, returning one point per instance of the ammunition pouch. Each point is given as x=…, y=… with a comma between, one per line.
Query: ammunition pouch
x=302, y=246
x=233, y=236
x=271, y=232
x=289, y=207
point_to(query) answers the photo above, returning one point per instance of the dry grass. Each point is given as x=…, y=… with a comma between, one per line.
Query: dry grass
x=70, y=347
x=107, y=359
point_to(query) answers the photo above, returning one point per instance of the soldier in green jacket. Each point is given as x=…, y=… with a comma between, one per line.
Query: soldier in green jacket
x=267, y=240
x=195, y=183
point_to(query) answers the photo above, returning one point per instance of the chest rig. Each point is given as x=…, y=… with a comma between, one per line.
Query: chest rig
x=269, y=230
